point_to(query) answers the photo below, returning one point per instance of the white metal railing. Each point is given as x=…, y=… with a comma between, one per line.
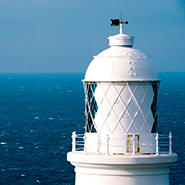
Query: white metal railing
x=163, y=144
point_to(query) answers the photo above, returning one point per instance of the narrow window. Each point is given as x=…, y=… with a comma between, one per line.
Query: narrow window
x=155, y=86
x=130, y=144
x=91, y=106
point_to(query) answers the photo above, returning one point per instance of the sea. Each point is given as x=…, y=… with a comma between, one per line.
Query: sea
x=39, y=112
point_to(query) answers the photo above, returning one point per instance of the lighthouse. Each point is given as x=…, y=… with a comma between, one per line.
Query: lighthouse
x=121, y=144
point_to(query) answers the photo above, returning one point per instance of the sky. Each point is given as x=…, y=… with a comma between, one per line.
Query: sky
x=62, y=36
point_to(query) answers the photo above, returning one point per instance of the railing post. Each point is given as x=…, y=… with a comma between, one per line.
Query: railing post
x=84, y=144
x=134, y=144
x=157, y=143
x=98, y=145
x=107, y=145
x=74, y=141
x=170, y=143
x=151, y=144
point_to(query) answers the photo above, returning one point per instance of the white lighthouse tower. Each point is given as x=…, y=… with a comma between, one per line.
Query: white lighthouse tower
x=121, y=144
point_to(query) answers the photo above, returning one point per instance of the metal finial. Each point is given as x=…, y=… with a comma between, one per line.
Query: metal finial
x=121, y=17
x=121, y=23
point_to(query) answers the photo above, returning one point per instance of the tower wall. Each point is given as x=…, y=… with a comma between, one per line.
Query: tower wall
x=119, y=170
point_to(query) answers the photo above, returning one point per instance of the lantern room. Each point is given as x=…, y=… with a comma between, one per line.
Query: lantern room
x=121, y=85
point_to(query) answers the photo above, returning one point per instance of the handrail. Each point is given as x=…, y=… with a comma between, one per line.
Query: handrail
x=162, y=145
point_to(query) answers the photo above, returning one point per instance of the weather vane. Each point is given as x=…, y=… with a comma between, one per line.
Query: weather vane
x=117, y=22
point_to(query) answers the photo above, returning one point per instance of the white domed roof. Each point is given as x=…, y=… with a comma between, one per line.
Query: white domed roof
x=121, y=62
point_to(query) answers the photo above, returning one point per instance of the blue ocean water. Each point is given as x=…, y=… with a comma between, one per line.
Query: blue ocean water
x=38, y=113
